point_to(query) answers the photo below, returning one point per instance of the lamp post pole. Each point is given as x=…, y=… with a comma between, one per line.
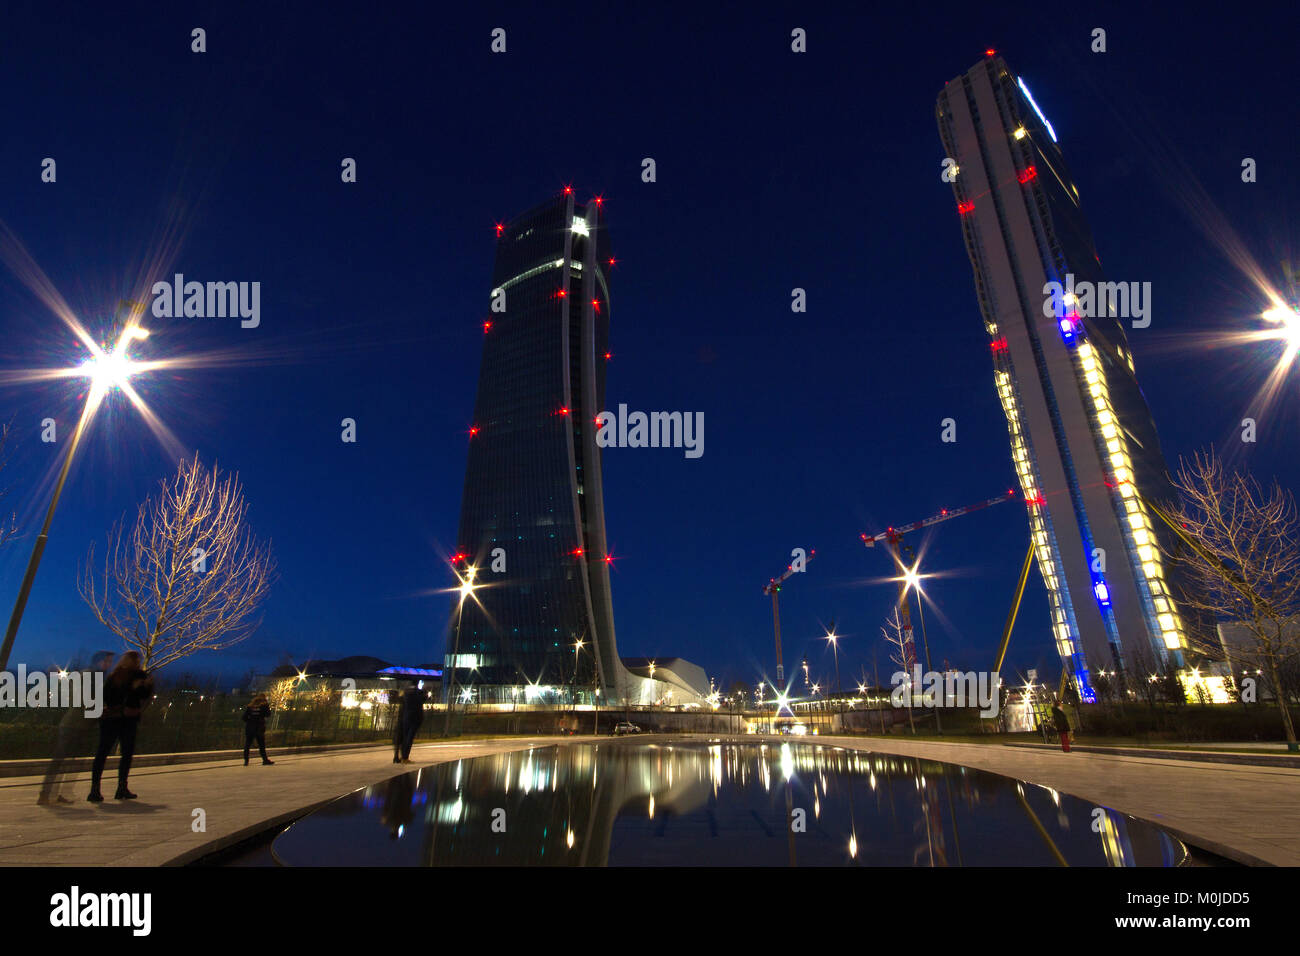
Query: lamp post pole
x=38, y=549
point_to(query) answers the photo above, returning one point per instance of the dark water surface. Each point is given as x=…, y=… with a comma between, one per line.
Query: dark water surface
x=698, y=803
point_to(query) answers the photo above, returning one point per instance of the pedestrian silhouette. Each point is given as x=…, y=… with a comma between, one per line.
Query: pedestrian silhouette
x=1062, y=725
x=255, y=715
x=412, y=716
x=127, y=691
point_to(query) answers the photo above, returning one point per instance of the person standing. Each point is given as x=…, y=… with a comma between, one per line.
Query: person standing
x=71, y=740
x=1062, y=725
x=127, y=691
x=255, y=715
x=412, y=716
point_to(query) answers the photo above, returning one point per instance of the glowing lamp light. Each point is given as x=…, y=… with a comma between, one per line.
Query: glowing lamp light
x=110, y=370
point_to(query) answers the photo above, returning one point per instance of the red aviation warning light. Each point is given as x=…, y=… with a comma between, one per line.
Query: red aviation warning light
x=990, y=51
x=999, y=344
x=576, y=552
x=1031, y=172
x=568, y=190
x=612, y=262
x=473, y=430
x=500, y=229
x=966, y=206
x=599, y=200
x=487, y=325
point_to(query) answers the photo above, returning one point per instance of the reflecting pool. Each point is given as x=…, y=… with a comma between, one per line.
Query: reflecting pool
x=694, y=802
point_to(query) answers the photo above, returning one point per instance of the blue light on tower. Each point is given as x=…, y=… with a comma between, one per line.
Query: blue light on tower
x=1030, y=96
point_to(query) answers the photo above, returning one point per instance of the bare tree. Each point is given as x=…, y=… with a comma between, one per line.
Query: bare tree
x=1244, y=561
x=188, y=575
x=903, y=653
x=9, y=526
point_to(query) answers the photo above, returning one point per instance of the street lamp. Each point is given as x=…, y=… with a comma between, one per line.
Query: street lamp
x=835, y=645
x=573, y=684
x=466, y=589
x=913, y=580
x=107, y=371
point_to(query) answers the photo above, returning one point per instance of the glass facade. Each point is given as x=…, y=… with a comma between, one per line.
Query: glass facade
x=1082, y=437
x=532, y=520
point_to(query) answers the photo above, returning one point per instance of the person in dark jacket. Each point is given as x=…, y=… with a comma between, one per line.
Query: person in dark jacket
x=1062, y=725
x=412, y=716
x=127, y=691
x=255, y=715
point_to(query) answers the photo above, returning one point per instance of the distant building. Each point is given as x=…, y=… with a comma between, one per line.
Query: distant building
x=670, y=681
x=533, y=499
x=1082, y=437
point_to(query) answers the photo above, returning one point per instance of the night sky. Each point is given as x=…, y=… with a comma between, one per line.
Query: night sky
x=775, y=171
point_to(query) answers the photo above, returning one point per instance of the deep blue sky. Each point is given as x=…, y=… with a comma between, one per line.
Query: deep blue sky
x=775, y=170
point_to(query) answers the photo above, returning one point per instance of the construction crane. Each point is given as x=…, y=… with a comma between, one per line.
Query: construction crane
x=893, y=537
x=773, y=587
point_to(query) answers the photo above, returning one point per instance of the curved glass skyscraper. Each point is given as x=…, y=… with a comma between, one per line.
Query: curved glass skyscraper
x=532, y=522
x=1082, y=439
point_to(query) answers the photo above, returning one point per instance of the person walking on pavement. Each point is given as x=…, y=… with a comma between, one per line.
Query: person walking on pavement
x=412, y=716
x=127, y=691
x=255, y=715
x=1062, y=725
x=72, y=739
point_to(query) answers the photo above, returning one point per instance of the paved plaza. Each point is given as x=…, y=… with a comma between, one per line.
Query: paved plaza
x=1245, y=813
